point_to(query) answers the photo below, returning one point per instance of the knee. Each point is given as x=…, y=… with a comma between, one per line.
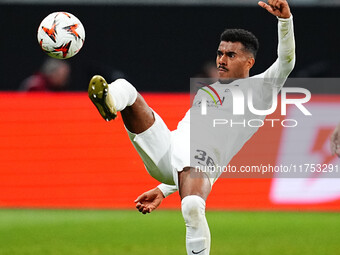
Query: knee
x=193, y=210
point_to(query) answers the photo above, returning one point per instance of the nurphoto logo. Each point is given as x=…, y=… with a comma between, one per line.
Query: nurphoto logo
x=241, y=103
x=238, y=101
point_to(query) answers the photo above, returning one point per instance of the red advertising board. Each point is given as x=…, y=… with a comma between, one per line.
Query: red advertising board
x=57, y=152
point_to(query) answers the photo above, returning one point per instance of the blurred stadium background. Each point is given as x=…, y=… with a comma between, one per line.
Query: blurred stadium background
x=68, y=179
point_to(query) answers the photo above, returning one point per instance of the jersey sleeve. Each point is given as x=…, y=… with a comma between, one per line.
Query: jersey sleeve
x=167, y=189
x=278, y=72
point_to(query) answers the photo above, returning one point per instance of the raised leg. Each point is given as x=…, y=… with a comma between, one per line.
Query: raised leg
x=121, y=96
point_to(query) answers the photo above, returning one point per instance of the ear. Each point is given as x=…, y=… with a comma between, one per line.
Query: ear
x=250, y=62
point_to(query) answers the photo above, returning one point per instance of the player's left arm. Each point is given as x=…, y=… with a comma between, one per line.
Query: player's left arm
x=286, y=46
x=278, y=8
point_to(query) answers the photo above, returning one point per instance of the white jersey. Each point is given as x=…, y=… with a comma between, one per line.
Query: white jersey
x=225, y=141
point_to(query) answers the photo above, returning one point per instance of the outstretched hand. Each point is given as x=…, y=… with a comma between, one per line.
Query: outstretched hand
x=149, y=201
x=335, y=141
x=279, y=8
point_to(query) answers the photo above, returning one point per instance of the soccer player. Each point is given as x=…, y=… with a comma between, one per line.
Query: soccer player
x=166, y=154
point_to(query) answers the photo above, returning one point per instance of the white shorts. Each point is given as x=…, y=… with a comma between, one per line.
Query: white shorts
x=164, y=152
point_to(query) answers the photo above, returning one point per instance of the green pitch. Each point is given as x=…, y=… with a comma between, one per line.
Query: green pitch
x=86, y=232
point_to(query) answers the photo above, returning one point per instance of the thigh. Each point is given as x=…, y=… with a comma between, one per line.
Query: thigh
x=205, y=161
x=194, y=174
x=154, y=147
x=138, y=117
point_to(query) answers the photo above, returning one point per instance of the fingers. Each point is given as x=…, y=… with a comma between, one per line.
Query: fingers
x=140, y=207
x=141, y=198
x=149, y=201
x=275, y=4
x=143, y=204
x=271, y=6
x=279, y=8
x=268, y=7
x=143, y=208
x=263, y=5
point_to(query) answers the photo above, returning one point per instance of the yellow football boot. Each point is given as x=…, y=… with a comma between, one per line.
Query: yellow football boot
x=98, y=93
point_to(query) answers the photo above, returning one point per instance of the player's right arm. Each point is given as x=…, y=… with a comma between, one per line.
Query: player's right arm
x=151, y=199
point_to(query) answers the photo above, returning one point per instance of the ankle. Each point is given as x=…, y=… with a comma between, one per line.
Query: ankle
x=122, y=93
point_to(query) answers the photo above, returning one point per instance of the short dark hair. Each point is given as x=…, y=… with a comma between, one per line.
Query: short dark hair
x=248, y=39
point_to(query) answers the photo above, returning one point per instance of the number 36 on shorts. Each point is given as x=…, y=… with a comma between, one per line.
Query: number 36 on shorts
x=203, y=158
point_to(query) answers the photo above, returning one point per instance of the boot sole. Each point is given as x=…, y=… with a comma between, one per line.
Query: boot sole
x=97, y=91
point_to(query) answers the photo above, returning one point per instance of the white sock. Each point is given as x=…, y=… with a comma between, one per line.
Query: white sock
x=198, y=233
x=121, y=93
